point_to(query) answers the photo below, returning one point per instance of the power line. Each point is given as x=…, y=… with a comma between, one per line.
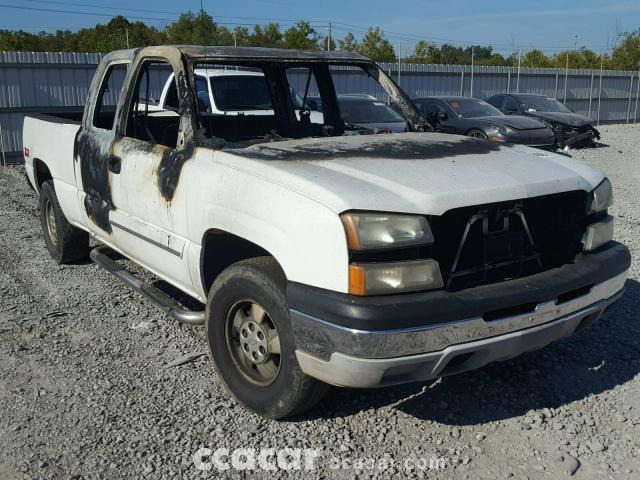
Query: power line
x=136, y=17
x=142, y=10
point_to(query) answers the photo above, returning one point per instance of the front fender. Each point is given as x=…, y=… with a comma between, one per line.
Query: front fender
x=305, y=237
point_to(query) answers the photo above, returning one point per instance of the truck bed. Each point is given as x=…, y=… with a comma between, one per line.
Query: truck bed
x=50, y=138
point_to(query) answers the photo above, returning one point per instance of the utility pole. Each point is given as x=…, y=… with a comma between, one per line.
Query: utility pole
x=518, y=78
x=329, y=40
x=4, y=159
x=399, y=56
x=235, y=39
x=127, y=33
x=635, y=115
x=566, y=77
x=600, y=86
x=472, y=58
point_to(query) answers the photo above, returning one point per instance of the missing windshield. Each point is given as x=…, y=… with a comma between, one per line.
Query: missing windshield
x=243, y=103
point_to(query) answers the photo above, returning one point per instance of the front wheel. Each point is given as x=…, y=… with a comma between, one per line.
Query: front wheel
x=476, y=133
x=251, y=342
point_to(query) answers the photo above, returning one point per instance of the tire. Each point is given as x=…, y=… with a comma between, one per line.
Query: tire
x=269, y=383
x=65, y=243
x=477, y=133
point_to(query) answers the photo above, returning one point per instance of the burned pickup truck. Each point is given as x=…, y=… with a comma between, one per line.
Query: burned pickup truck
x=321, y=252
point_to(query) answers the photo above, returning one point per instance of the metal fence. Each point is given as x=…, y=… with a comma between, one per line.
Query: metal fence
x=57, y=82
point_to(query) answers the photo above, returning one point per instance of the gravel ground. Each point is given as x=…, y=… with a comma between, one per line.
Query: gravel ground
x=88, y=388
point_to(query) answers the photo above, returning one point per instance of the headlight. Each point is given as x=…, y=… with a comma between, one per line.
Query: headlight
x=504, y=130
x=368, y=231
x=601, y=196
x=394, y=277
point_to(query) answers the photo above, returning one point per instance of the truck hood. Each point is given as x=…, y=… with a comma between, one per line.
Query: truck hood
x=426, y=173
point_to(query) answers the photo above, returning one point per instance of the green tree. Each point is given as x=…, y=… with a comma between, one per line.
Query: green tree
x=301, y=36
x=535, y=58
x=241, y=36
x=626, y=56
x=191, y=29
x=424, y=53
x=583, y=58
x=268, y=36
x=348, y=43
x=375, y=46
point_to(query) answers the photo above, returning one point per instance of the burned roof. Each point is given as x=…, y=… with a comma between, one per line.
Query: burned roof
x=196, y=52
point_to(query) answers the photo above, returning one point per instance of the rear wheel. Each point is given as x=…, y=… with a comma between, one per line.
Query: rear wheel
x=251, y=343
x=65, y=243
x=476, y=133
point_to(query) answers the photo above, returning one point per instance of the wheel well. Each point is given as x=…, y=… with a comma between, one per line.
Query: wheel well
x=40, y=172
x=221, y=249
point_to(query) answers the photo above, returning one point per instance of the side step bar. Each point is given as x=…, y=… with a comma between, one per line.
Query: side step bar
x=100, y=256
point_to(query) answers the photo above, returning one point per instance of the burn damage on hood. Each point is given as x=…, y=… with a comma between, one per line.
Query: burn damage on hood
x=384, y=146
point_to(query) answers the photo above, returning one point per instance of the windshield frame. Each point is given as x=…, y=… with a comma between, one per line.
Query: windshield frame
x=287, y=119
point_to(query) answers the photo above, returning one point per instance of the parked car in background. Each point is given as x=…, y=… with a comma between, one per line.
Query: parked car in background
x=228, y=92
x=476, y=118
x=366, y=111
x=573, y=129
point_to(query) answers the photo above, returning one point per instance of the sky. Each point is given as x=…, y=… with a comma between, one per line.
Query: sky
x=507, y=25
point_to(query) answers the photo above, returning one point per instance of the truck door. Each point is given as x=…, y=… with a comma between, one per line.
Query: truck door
x=95, y=138
x=147, y=171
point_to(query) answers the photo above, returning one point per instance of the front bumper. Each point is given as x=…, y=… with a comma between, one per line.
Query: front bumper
x=577, y=136
x=458, y=331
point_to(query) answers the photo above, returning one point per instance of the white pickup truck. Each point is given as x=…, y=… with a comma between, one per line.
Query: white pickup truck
x=324, y=253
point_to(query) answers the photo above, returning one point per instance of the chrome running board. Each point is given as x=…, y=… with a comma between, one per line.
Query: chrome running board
x=100, y=256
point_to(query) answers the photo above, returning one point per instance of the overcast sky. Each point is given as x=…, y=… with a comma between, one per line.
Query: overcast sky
x=551, y=24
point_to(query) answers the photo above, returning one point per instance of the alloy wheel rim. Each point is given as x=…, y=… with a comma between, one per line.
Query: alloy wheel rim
x=478, y=134
x=51, y=223
x=253, y=342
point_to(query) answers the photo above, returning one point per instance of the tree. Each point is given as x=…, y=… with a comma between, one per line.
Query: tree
x=241, y=36
x=424, y=53
x=301, y=36
x=268, y=36
x=192, y=29
x=626, y=56
x=535, y=58
x=375, y=46
x=348, y=43
x=583, y=58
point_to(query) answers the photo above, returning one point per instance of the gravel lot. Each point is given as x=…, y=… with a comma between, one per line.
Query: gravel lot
x=87, y=388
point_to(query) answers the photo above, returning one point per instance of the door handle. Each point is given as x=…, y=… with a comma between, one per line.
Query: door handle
x=115, y=164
